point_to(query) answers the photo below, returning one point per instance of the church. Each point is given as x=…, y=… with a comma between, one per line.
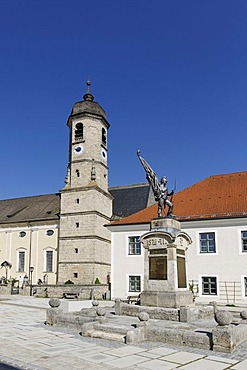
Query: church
x=61, y=237
x=89, y=233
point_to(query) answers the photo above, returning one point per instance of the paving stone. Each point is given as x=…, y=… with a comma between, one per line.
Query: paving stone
x=157, y=365
x=182, y=358
x=162, y=351
x=148, y=354
x=81, y=352
x=98, y=357
x=58, y=349
x=125, y=351
x=125, y=362
x=205, y=364
x=240, y=366
x=222, y=359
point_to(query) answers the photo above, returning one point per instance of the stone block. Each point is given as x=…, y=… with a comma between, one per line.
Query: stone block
x=184, y=314
x=53, y=315
x=198, y=340
x=167, y=299
x=224, y=338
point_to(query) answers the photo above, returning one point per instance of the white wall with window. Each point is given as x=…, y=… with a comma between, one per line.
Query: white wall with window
x=135, y=284
x=24, y=245
x=209, y=286
x=207, y=242
x=127, y=261
x=217, y=258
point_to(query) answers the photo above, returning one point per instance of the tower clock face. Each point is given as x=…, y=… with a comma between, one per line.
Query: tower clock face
x=103, y=154
x=78, y=149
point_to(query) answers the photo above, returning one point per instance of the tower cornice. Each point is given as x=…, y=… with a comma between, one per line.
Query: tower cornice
x=90, y=186
x=87, y=114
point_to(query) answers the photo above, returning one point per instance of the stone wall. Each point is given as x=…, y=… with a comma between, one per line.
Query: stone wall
x=92, y=291
x=5, y=289
x=182, y=314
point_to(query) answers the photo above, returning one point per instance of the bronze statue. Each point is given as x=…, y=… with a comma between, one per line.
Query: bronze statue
x=160, y=190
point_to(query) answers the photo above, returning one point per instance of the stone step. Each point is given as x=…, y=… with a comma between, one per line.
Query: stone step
x=105, y=335
x=117, y=329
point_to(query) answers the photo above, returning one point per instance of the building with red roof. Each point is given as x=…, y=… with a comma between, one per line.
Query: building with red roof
x=214, y=213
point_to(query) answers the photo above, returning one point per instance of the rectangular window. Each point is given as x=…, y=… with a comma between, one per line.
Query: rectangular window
x=49, y=261
x=209, y=285
x=134, y=245
x=134, y=283
x=245, y=286
x=21, y=266
x=244, y=241
x=207, y=243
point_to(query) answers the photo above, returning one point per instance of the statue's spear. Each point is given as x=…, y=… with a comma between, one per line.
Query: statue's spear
x=175, y=187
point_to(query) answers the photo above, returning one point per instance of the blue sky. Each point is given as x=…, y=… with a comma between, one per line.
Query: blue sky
x=170, y=74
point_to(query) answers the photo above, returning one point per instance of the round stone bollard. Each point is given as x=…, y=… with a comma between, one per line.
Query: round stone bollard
x=95, y=303
x=53, y=313
x=54, y=302
x=101, y=315
x=243, y=315
x=223, y=318
x=144, y=319
x=143, y=316
x=101, y=311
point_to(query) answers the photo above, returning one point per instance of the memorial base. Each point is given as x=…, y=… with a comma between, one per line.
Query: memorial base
x=166, y=299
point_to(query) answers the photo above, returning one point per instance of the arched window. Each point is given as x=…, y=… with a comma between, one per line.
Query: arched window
x=21, y=260
x=78, y=131
x=103, y=136
x=49, y=259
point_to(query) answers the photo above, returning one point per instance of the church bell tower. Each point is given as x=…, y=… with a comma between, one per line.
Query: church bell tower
x=86, y=204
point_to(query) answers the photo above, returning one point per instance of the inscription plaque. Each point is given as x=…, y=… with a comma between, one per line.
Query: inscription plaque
x=158, y=251
x=154, y=242
x=158, y=268
x=181, y=272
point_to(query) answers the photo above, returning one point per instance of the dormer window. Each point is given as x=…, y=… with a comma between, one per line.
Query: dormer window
x=103, y=136
x=79, y=131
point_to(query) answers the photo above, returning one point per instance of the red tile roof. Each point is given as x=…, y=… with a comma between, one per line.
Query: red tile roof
x=220, y=196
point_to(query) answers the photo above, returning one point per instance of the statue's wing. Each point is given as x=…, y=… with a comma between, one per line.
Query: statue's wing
x=151, y=176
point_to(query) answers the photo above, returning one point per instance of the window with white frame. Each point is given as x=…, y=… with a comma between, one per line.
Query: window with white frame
x=207, y=243
x=244, y=241
x=209, y=285
x=134, y=283
x=49, y=261
x=21, y=261
x=134, y=245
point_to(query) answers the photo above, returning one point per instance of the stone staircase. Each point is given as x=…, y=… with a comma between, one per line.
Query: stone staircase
x=109, y=332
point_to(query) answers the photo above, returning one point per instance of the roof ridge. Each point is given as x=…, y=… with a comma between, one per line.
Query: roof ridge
x=29, y=196
x=128, y=186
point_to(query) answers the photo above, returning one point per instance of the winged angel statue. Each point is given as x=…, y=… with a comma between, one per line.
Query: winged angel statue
x=160, y=189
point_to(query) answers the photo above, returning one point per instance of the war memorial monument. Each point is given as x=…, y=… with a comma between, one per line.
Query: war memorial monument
x=165, y=311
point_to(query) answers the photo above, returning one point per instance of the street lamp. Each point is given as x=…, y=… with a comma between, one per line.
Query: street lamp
x=31, y=269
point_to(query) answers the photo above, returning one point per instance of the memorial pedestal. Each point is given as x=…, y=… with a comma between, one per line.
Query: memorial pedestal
x=166, y=299
x=165, y=268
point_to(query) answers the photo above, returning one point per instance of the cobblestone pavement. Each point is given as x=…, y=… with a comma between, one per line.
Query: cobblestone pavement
x=29, y=344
